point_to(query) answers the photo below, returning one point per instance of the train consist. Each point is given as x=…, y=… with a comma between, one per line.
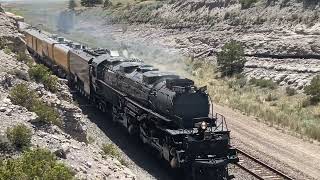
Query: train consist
x=165, y=111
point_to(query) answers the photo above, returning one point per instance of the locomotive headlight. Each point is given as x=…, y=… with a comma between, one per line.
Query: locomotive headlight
x=204, y=125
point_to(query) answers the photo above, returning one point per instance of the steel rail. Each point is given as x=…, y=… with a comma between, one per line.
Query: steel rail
x=255, y=172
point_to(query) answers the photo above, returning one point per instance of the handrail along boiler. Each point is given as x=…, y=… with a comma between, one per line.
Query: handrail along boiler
x=166, y=111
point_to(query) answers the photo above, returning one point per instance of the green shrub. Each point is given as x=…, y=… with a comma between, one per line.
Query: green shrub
x=90, y=140
x=2, y=43
x=305, y=103
x=241, y=82
x=90, y=3
x=290, y=91
x=124, y=162
x=51, y=83
x=21, y=95
x=7, y=50
x=72, y=4
x=46, y=114
x=35, y=164
x=231, y=59
x=22, y=57
x=111, y=150
x=245, y=4
x=41, y=74
x=271, y=97
x=107, y=3
x=19, y=136
x=237, y=83
x=5, y=145
x=314, y=90
x=38, y=72
x=263, y=83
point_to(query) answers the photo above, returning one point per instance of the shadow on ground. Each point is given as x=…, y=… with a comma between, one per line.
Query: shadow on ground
x=139, y=153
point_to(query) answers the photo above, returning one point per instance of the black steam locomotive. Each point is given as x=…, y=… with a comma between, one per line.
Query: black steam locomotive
x=167, y=112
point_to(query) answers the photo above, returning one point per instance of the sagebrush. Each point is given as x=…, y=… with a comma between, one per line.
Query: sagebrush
x=46, y=114
x=42, y=74
x=247, y=3
x=264, y=83
x=23, y=96
x=20, y=136
x=35, y=164
x=111, y=150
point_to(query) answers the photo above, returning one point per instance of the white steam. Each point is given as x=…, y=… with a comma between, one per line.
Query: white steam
x=91, y=29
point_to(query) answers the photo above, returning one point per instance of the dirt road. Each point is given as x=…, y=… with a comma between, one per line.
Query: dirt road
x=294, y=156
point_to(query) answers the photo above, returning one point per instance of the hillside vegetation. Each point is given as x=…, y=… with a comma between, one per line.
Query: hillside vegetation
x=260, y=98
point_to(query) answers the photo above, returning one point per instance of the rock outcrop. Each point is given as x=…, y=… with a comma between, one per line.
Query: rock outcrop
x=9, y=32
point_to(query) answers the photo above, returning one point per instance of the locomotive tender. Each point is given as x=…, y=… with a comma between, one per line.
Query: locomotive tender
x=167, y=112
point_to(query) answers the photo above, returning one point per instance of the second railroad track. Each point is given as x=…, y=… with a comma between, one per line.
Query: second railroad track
x=259, y=169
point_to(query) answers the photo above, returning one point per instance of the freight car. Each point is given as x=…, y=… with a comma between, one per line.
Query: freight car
x=165, y=111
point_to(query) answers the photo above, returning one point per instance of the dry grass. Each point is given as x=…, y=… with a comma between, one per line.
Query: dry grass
x=273, y=106
x=111, y=150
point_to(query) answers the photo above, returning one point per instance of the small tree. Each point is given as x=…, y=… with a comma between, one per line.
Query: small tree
x=35, y=164
x=3, y=43
x=231, y=59
x=72, y=4
x=314, y=90
x=247, y=3
x=1, y=10
x=90, y=3
x=107, y=3
x=86, y=3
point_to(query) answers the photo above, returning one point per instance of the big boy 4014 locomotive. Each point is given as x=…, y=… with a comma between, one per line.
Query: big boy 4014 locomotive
x=167, y=112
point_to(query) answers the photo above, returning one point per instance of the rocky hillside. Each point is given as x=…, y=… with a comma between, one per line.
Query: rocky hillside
x=68, y=141
x=281, y=37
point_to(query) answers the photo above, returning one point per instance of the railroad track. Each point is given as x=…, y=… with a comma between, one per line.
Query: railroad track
x=259, y=169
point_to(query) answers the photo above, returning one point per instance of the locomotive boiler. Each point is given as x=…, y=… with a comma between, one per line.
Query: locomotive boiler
x=165, y=111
